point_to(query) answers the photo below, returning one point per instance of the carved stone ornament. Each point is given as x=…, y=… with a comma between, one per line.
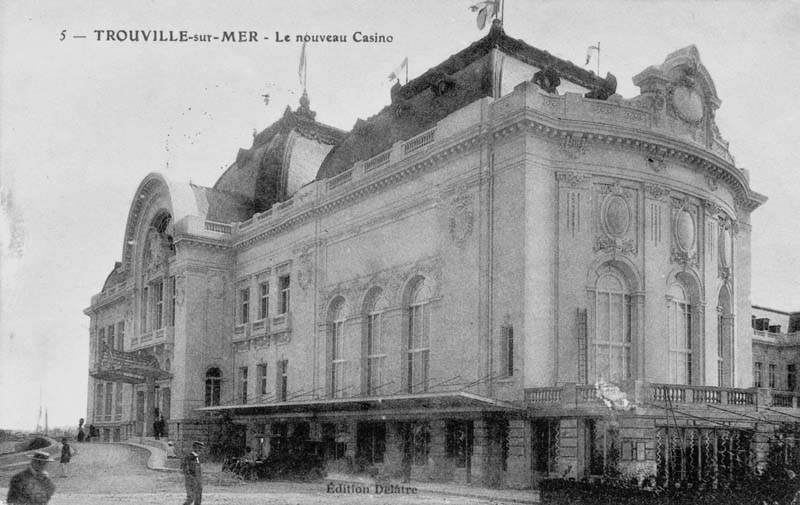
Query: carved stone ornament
x=688, y=103
x=572, y=179
x=461, y=219
x=616, y=215
x=712, y=209
x=684, y=258
x=616, y=189
x=685, y=230
x=154, y=253
x=712, y=183
x=724, y=273
x=573, y=147
x=655, y=162
x=614, y=244
x=305, y=270
x=655, y=191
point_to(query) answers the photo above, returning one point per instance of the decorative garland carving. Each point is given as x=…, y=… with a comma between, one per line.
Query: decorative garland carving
x=617, y=245
x=573, y=146
x=573, y=179
x=462, y=218
x=655, y=191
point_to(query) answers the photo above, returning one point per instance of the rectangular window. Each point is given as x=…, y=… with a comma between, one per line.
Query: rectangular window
x=112, y=344
x=602, y=439
x=772, y=375
x=371, y=442
x=458, y=442
x=121, y=335
x=262, y=379
x=791, y=377
x=284, y=283
x=418, y=348
x=158, y=302
x=109, y=399
x=243, y=385
x=613, y=335
x=507, y=355
x=263, y=301
x=172, y=298
x=758, y=369
x=338, y=362
x=98, y=402
x=680, y=333
x=282, y=382
x=118, y=400
x=145, y=309
x=375, y=355
x=279, y=438
x=545, y=445
x=331, y=449
x=244, y=305
x=101, y=339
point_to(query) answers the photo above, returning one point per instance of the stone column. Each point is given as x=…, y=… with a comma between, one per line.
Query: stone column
x=438, y=452
x=149, y=406
x=480, y=452
x=519, y=474
x=393, y=457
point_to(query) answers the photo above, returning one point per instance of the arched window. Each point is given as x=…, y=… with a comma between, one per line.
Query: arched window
x=679, y=323
x=338, y=363
x=213, y=386
x=375, y=351
x=612, y=331
x=418, y=337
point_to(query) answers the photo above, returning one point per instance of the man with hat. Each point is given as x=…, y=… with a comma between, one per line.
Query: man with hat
x=32, y=486
x=193, y=474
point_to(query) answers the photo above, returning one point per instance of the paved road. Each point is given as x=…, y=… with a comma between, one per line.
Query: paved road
x=117, y=474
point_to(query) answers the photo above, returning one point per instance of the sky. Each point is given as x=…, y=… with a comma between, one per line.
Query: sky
x=83, y=121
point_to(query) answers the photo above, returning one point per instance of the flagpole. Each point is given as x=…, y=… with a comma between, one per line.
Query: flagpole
x=502, y=10
x=406, y=69
x=305, y=73
x=598, y=58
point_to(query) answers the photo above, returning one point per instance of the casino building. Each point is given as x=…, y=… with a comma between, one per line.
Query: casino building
x=508, y=273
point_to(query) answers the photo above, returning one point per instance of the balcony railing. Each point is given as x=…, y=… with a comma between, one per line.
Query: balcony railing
x=571, y=395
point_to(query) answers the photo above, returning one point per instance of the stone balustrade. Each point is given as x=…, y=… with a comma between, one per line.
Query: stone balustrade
x=653, y=394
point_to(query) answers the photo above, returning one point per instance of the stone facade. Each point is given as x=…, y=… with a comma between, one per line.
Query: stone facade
x=491, y=281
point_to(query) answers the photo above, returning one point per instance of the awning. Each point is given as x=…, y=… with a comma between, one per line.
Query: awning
x=394, y=405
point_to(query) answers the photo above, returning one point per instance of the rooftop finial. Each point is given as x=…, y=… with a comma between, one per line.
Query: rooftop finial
x=305, y=107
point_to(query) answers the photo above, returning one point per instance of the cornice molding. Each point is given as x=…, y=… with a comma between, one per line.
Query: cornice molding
x=570, y=136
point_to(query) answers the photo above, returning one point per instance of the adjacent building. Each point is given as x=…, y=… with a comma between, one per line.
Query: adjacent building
x=508, y=273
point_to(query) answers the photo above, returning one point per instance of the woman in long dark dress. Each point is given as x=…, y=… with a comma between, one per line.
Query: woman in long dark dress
x=66, y=455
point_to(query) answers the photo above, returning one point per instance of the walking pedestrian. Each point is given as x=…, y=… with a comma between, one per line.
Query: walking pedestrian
x=193, y=474
x=66, y=455
x=32, y=486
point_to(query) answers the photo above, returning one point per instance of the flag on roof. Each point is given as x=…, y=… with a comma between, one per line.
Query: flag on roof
x=301, y=70
x=397, y=72
x=589, y=52
x=485, y=9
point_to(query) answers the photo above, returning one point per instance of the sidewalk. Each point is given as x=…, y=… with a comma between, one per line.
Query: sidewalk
x=158, y=462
